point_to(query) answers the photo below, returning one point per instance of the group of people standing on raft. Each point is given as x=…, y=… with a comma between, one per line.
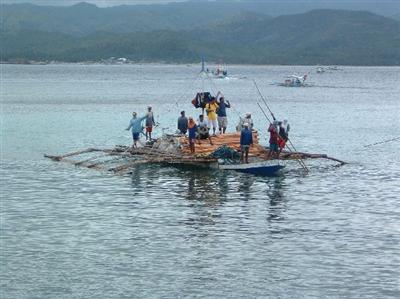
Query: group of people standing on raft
x=216, y=115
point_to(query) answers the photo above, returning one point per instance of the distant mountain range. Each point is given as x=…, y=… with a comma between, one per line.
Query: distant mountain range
x=84, y=18
x=84, y=32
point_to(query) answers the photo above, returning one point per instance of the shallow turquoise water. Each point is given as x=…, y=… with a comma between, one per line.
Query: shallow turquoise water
x=163, y=232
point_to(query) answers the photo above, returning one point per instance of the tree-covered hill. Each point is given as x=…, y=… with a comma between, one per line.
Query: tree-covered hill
x=316, y=37
x=83, y=18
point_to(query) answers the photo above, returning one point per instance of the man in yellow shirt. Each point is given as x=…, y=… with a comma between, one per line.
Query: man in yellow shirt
x=211, y=109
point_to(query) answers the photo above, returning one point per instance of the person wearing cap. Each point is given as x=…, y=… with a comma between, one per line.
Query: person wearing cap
x=247, y=119
x=192, y=128
x=246, y=139
x=183, y=123
x=135, y=125
x=149, y=123
x=211, y=109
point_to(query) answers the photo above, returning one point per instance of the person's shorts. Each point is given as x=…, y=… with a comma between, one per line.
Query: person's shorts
x=149, y=129
x=204, y=135
x=222, y=121
x=245, y=148
x=273, y=147
x=135, y=136
x=212, y=122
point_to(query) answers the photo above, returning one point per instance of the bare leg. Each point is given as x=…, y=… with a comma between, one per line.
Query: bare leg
x=247, y=156
x=223, y=130
x=241, y=156
x=192, y=149
x=209, y=138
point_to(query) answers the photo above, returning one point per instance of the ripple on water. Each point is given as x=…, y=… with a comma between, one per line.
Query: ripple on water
x=167, y=232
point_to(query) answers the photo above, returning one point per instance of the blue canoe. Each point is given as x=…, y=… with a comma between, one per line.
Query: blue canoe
x=259, y=168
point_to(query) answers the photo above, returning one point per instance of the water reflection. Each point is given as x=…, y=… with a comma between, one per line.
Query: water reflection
x=277, y=199
x=245, y=183
x=136, y=178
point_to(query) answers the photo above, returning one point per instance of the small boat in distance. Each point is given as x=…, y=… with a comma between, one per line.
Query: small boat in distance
x=220, y=72
x=333, y=68
x=294, y=81
x=320, y=70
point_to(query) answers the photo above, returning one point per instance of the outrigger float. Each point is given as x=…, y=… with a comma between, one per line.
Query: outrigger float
x=173, y=150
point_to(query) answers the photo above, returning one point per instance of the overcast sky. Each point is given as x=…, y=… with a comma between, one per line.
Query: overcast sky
x=104, y=3
x=101, y=3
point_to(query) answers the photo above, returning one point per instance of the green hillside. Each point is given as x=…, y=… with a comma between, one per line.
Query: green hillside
x=316, y=37
x=83, y=18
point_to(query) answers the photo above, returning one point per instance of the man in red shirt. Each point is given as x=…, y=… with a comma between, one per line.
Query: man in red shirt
x=273, y=141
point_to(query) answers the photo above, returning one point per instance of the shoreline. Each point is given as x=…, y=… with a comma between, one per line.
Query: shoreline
x=89, y=63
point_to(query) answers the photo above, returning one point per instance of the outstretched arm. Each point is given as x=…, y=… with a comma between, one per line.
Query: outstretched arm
x=129, y=127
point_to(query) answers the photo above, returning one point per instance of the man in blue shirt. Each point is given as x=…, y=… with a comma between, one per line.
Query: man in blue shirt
x=246, y=139
x=136, y=125
x=221, y=112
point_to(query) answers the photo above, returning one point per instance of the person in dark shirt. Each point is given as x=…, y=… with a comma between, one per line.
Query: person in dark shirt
x=202, y=129
x=221, y=112
x=246, y=139
x=183, y=123
x=273, y=140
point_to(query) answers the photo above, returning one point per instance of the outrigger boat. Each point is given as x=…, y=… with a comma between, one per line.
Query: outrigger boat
x=122, y=159
x=173, y=150
x=294, y=81
x=218, y=152
x=220, y=71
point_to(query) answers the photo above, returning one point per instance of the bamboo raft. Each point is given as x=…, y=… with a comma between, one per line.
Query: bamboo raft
x=203, y=147
x=171, y=150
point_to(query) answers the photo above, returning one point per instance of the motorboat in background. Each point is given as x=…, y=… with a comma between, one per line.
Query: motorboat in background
x=294, y=81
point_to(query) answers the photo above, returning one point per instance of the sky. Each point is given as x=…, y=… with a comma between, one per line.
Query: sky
x=106, y=3
x=100, y=3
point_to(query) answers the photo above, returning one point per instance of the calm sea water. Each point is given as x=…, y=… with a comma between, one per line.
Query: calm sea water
x=69, y=232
